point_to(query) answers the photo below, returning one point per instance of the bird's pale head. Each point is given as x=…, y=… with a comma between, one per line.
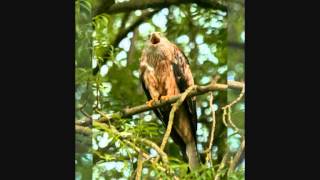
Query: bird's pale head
x=155, y=38
x=158, y=46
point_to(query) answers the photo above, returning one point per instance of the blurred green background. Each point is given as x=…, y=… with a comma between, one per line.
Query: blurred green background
x=110, y=36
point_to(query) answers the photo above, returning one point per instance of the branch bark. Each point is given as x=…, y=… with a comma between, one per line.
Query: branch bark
x=125, y=113
x=198, y=90
x=139, y=166
x=83, y=130
x=139, y=4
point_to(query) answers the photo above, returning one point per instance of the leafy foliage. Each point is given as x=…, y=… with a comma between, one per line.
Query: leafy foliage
x=107, y=80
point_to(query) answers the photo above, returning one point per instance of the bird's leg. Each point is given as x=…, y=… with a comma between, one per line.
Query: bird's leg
x=170, y=91
x=150, y=102
x=155, y=97
x=166, y=97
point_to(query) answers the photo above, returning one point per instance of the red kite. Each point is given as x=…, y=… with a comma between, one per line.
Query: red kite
x=165, y=72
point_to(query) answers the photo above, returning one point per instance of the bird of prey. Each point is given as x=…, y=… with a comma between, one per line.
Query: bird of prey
x=165, y=72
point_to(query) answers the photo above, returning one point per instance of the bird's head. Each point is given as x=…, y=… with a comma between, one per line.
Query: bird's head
x=158, y=46
x=155, y=37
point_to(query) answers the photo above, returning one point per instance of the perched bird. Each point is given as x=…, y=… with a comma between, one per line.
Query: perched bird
x=165, y=72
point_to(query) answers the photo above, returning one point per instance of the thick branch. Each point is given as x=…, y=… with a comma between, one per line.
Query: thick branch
x=142, y=108
x=83, y=130
x=84, y=122
x=140, y=4
x=195, y=92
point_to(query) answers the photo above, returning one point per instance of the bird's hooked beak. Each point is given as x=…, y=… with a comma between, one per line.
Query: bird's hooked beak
x=155, y=38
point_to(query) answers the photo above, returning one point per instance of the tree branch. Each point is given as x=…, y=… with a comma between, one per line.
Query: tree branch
x=222, y=165
x=140, y=4
x=83, y=122
x=195, y=92
x=236, y=100
x=237, y=157
x=83, y=130
x=174, y=108
x=199, y=90
x=227, y=108
x=125, y=135
x=139, y=166
x=125, y=139
x=208, y=150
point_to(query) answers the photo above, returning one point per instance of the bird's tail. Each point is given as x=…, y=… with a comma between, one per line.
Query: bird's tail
x=193, y=157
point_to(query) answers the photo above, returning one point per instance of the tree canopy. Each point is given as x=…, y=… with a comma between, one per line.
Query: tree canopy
x=110, y=35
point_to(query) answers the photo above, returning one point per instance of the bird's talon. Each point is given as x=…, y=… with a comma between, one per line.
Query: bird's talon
x=149, y=103
x=164, y=97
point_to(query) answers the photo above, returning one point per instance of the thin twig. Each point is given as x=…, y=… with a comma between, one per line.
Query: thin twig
x=174, y=108
x=139, y=166
x=208, y=151
x=227, y=111
x=212, y=128
x=224, y=117
x=222, y=165
x=137, y=149
x=97, y=95
x=125, y=135
x=236, y=100
x=105, y=117
x=237, y=157
x=231, y=122
x=87, y=131
x=138, y=4
x=145, y=156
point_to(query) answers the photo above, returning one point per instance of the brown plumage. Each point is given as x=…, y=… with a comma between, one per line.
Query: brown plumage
x=165, y=72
